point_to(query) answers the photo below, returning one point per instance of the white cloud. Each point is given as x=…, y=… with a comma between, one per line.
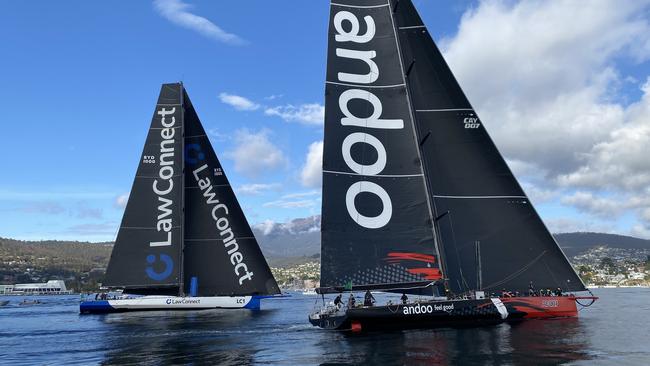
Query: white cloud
x=543, y=76
x=121, y=201
x=238, y=102
x=570, y=225
x=301, y=195
x=82, y=211
x=43, y=207
x=176, y=11
x=292, y=203
x=310, y=114
x=311, y=174
x=265, y=226
x=545, y=97
x=255, y=154
x=254, y=189
x=621, y=160
x=598, y=206
x=297, y=200
x=215, y=134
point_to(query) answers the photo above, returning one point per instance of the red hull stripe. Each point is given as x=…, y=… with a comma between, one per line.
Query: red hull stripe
x=543, y=307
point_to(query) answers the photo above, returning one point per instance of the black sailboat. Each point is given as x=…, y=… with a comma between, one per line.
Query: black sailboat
x=184, y=242
x=416, y=196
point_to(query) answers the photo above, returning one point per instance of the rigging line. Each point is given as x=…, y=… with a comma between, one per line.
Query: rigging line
x=375, y=175
x=453, y=237
x=363, y=86
x=413, y=26
x=516, y=273
x=360, y=6
x=559, y=284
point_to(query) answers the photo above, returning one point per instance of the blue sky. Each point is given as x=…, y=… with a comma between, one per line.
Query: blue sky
x=81, y=80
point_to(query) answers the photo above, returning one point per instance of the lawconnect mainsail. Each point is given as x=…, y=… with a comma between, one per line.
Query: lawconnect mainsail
x=415, y=193
x=183, y=231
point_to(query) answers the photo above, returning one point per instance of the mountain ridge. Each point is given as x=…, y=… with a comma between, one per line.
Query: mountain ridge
x=295, y=239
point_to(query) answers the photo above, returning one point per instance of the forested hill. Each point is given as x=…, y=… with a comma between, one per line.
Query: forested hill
x=575, y=243
x=298, y=240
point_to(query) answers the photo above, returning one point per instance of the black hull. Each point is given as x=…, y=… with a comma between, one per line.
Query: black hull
x=456, y=313
x=431, y=314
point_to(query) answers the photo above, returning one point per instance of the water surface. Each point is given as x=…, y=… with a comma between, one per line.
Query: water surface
x=616, y=330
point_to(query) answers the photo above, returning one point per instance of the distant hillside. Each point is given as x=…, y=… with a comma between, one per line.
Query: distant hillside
x=299, y=237
x=71, y=253
x=576, y=243
x=33, y=261
x=283, y=244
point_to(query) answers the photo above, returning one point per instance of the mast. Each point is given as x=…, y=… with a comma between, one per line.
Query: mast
x=181, y=284
x=418, y=139
x=468, y=177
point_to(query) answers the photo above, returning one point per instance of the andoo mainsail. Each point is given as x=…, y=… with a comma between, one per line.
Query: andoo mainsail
x=416, y=196
x=184, y=242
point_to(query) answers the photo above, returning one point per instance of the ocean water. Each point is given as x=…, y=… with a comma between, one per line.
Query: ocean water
x=614, y=331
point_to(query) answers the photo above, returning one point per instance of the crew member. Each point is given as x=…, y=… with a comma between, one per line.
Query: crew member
x=404, y=299
x=558, y=292
x=368, y=299
x=337, y=302
x=351, y=301
x=531, y=289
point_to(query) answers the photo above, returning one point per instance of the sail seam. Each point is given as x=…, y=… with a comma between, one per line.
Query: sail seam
x=374, y=175
x=144, y=227
x=364, y=86
x=478, y=197
x=221, y=239
x=413, y=26
x=444, y=110
x=360, y=6
x=178, y=104
x=214, y=185
x=156, y=176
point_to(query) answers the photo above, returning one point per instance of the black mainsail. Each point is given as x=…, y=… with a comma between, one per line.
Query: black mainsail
x=449, y=187
x=182, y=223
x=377, y=224
x=150, y=236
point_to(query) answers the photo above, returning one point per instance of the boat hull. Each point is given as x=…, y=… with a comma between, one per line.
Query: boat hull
x=150, y=303
x=459, y=313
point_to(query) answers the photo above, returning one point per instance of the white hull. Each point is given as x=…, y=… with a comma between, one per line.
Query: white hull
x=145, y=303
